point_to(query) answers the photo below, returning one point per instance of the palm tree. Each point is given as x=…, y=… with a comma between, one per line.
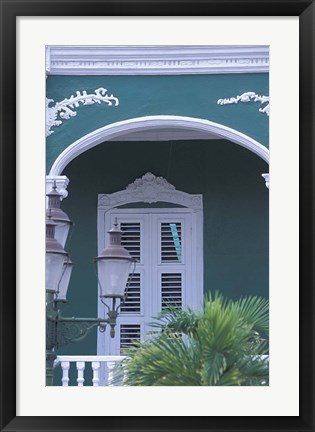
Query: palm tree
x=224, y=345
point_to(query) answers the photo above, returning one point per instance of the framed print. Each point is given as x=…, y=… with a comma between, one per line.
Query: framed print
x=161, y=122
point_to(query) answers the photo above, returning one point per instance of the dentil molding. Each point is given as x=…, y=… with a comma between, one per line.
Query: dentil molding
x=149, y=189
x=65, y=109
x=156, y=60
x=248, y=97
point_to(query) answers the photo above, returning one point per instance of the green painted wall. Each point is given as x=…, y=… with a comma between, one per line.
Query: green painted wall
x=235, y=212
x=184, y=95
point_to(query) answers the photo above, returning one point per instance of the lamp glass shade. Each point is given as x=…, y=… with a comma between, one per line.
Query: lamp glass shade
x=64, y=281
x=54, y=270
x=113, y=275
x=61, y=232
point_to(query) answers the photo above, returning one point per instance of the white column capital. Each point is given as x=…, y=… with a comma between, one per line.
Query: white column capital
x=266, y=177
x=61, y=183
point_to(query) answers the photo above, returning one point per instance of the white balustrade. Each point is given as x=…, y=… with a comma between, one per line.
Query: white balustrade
x=80, y=369
x=111, y=366
x=96, y=365
x=65, y=366
x=103, y=369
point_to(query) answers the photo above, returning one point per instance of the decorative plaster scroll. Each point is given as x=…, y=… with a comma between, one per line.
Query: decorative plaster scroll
x=248, y=97
x=149, y=189
x=65, y=108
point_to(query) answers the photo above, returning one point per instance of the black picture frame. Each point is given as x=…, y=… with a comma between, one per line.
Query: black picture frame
x=10, y=9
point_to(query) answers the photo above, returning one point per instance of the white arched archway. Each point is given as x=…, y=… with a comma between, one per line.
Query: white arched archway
x=126, y=127
x=140, y=124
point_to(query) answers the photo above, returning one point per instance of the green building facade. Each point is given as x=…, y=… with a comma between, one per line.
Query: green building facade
x=111, y=123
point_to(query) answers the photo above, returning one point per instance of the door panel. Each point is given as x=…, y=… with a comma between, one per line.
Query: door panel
x=160, y=240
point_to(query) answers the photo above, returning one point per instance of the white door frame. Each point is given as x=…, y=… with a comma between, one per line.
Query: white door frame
x=152, y=189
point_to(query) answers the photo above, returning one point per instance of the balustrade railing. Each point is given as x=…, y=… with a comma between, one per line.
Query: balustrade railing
x=102, y=367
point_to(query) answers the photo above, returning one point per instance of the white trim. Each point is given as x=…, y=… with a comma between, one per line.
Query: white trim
x=167, y=134
x=191, y=268
x=61, y=183
x=267, y=179
x=125, y=127
x=87, y=358
x=149, y=189
x=156, y=60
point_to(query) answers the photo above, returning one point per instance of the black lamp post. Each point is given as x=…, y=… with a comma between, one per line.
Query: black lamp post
x=114, y=264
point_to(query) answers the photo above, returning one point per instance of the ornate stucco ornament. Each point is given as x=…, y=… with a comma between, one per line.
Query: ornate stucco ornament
x=149, y=189
x=65, y=109
x=150, y=183
x=248, y=97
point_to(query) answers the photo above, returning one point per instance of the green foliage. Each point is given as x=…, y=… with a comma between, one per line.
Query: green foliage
x=224, y=345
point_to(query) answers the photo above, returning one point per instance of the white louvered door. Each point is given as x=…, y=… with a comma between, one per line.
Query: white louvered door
x=161, y=241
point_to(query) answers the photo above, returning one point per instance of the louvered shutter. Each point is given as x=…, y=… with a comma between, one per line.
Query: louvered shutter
x=171, y=290
x=130, y=319
x=133, y=302
x=160, y=240
x=171, y=264
x=171, y=242
x=131, y=238
x=174, y=234
x=129, y=334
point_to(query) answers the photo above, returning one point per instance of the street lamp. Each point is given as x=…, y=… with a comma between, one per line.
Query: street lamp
x=56, y=257
x=114, y=265
x=61, y=219
x=61, y=294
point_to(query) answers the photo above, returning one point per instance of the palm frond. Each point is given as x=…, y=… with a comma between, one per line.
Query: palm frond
x=255, y=311
x=223, y=345
x=175, y=320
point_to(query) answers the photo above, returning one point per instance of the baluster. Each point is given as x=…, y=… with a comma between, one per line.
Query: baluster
x=125, y=376
x=96, y=373
x=110, y=367
x=65, y=366
x=80, y=369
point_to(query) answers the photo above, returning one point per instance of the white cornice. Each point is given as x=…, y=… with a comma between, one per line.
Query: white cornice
x=156, y=60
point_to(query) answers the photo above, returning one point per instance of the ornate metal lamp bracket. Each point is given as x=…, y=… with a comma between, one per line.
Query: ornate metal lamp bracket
x=71, y=330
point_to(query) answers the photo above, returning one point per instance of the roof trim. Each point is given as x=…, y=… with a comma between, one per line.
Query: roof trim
x=156, y=60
